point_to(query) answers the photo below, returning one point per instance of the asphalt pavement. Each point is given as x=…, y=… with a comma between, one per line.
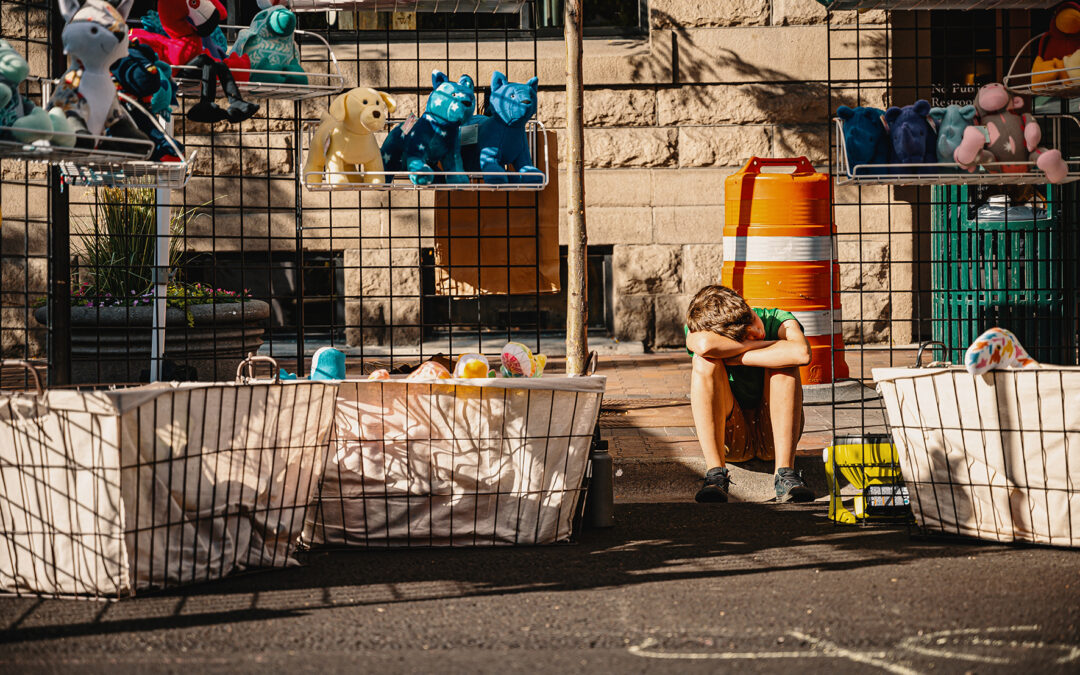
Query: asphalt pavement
x=680, y=588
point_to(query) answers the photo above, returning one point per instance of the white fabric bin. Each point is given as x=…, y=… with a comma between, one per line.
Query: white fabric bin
x=468, y=462
x=993, y=456
x=106, y=493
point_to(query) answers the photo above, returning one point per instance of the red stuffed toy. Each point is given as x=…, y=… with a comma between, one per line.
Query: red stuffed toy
x=188, y=25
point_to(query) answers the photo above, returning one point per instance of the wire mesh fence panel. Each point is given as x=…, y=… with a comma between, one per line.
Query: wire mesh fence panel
x=116, y=492
x=988, y=456
x=457, y=462
x=928, y=249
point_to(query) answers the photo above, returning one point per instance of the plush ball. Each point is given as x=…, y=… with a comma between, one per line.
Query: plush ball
x=380, y=374
x=472, y=365
x=912, y=139
x=866, y=139
x=996, y=349
x=429, y=370
x=519, y=361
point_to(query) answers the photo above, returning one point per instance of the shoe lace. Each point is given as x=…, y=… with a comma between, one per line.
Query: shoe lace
x=722, y=479
x=791, y=478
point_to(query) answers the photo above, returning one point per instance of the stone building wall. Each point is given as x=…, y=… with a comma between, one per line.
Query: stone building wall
x=668, y=117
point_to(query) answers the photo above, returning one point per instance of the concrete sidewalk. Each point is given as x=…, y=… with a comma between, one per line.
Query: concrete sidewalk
x=647, y=421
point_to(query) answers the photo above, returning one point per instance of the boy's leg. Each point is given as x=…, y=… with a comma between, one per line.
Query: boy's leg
x=711, y=401
x=783, y=396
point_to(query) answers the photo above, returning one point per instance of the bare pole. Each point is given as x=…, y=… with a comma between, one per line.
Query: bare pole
x=577, y=341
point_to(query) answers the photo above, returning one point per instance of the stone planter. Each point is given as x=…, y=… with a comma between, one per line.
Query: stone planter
x=112, y=344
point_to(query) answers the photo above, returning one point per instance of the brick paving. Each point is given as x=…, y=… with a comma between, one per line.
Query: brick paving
x=647, y=413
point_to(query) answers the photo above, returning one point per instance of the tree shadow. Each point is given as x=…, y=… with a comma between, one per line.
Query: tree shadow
x=652, y=543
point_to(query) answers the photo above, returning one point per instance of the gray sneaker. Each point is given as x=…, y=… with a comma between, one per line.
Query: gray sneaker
x=715, y=488
x=790, y=486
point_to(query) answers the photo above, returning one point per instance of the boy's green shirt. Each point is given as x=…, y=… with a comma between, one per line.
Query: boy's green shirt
x=748, y=382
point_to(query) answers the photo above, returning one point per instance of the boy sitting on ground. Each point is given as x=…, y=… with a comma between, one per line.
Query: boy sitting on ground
x=745, y=391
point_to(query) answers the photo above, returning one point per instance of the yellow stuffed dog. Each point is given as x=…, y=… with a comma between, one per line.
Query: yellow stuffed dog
x=344, y=145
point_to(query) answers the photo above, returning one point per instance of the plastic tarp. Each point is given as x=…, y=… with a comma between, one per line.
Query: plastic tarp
x=457, y=462
x=106, y=493
x=993, y=456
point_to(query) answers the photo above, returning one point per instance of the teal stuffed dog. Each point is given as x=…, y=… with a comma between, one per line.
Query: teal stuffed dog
x=269, y=43
x=433, y=140
x=28, y=122
x=501, y=139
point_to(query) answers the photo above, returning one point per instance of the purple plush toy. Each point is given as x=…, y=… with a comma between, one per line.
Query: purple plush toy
x=913, y=139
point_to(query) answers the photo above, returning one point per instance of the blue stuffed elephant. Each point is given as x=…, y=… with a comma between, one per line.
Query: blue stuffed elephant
x=865, y=138
x=501, y=139
x=269, y=43
x=433, y=140
x=951, y=122
x=913, y=140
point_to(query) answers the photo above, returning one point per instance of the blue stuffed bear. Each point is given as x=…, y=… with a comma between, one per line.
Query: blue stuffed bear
x=432, y=140
x=270, y=45
x=501, y=139
x=865, y=138
x=951, y=122
x=148, y=80
x=913, y=140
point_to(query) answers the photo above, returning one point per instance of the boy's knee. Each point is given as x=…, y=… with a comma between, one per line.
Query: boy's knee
x=709, y=367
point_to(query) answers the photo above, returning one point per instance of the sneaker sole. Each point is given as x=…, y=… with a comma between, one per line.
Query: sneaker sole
x=711, y=498
x=796, y=494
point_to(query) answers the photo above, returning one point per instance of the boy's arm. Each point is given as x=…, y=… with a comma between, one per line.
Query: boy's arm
x=790, y=350
x=710, y=345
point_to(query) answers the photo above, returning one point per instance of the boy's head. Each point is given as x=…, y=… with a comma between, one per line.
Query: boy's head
x=720, y=310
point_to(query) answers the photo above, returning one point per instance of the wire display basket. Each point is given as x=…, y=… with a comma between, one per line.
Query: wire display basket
x=944, y=173
x=189, y=79
x=427, y=6
x=105, y=151
x=1064, y=84
x=926, y=5
x=109, y=493
x=457, y=462
x=331, y=181
x=989, y=456
x=132, y=174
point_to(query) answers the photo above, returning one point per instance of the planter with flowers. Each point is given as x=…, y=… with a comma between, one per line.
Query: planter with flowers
x=208, y=330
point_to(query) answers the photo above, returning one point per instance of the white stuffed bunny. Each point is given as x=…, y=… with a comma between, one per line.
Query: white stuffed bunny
x=85, y=101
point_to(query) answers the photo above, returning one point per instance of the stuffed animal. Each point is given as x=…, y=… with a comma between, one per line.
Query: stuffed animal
x=501, y=139
x=28, y=122
x=429, y=370
x=472, y=366
x=189, y=26
x=995, y=349
x=865, y=137
x=519, y=361
x=148, y=80
x=1072, y=65
x=1007, y=137
x=344, y=145
x=1061, y=40
x=951, y=123
x=912, y=139
x=432, y=142
x=85, y=101
x=269, y=44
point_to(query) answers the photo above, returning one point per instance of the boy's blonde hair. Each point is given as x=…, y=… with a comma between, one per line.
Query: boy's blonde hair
x=721, y=310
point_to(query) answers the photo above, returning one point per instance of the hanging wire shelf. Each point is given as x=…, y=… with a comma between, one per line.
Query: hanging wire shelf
x=331, y=181
x=423, y=6
x=888, y=5
x=136, y=174
x=189, y=78
x=50, y=153
x=1064, y=85
x=942, y=173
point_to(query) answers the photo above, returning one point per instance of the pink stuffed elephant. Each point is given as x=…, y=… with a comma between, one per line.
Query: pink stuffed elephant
x=1004, y=136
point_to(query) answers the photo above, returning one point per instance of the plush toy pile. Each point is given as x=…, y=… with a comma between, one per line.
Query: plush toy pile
x=1059, y=49
x=992, y=134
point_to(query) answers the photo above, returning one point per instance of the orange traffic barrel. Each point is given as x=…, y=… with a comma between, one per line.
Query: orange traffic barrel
x=778, y=252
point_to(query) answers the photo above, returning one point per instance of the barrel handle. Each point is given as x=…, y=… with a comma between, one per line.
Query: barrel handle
x=755, y=164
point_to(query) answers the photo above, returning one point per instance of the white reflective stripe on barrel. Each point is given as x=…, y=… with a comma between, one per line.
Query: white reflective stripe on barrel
x=817, y=323
x=778, y=249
